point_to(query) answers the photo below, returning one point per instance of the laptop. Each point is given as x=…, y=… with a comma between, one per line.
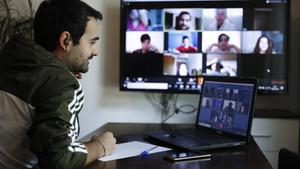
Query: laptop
x=224, y=116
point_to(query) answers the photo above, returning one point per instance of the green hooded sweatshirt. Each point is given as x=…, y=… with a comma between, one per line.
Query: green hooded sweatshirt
x=40, y=100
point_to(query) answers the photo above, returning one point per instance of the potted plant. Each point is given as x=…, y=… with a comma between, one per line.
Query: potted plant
x=13, y=22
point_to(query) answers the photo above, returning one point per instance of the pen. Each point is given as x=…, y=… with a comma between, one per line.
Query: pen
x=146, y=152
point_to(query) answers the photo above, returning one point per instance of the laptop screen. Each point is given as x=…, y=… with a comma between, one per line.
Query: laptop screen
x=226, y=106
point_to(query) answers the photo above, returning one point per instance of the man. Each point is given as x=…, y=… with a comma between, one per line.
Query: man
x=183, y=21
x=40, y=98
x=228, y=114
x=223, y=46
x=147, y=48
x=186, y=47
x=221, y=23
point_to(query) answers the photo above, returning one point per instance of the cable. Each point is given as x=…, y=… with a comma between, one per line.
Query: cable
x=184, y=109
x=168, y=117
x=167, y=105
x=181, y=108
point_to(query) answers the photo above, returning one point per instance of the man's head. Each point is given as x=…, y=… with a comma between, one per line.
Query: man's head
x=69, y=29
x=223, y=40
x=221, y=15
x=145, y=40
x=184, y=21
x=186, y=41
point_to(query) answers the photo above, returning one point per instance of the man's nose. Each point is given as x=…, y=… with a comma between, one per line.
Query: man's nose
x=95, y=51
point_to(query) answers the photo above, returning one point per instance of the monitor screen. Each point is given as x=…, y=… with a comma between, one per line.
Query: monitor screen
x=168, y=46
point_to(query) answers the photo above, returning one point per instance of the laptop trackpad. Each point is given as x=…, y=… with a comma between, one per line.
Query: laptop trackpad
x=169, y=136
x=180, y=140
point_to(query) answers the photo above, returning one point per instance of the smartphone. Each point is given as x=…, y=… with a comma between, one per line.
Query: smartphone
x=179, y=156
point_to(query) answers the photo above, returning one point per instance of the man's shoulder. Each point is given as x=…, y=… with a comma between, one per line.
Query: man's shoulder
x=215, y=49
x=232, y=50
x=52, y=78
x=58, y=73
x=212, y=26
x=180, y=47
x=193, y=48
x=228, y=25
x=137, y=51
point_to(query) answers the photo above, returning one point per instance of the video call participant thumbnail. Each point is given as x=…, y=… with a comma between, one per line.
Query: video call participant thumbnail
x=262, y=42
x=186, y=47
x=144, y=20
x=223, y=46
x=221, y=20
x=183, y=64
x=137, y=20
x=141, y=42
x=182, y=42
x=185, y=19
x=147, y=47
x=217, y=67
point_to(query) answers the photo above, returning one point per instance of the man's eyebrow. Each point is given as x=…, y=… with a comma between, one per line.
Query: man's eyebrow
x=95, y=39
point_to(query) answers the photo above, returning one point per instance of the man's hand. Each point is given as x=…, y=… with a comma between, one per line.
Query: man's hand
x=108, y=141
x=211, y=46
x=238, y=50
x=100, y=146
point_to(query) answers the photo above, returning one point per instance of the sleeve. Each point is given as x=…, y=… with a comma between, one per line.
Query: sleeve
x=56, y=125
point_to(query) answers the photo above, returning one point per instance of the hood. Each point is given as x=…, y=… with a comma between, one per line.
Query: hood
x=22, y=52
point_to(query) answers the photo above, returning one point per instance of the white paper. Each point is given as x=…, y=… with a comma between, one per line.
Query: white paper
x=131, y=149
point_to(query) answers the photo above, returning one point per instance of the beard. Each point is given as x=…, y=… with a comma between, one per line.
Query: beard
x=79, y=68
x=84, y=67
x=185, y=27
x=77, y=65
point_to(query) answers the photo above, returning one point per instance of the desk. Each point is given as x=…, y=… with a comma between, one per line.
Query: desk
x=245, y=157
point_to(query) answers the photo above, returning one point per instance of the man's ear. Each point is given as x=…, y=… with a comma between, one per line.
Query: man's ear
x=65, y=41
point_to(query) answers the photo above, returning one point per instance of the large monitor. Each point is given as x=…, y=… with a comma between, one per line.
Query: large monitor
x=168, y=46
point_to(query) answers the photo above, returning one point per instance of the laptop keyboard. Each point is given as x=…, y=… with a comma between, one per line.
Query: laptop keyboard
x=202, y=136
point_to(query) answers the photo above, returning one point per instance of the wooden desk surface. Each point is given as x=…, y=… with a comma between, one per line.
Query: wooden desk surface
x=245, y=157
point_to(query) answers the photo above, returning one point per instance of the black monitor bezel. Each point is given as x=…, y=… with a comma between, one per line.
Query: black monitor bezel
x=183, y=4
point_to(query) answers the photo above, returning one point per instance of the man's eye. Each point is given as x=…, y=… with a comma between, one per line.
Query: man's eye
x=92, y=43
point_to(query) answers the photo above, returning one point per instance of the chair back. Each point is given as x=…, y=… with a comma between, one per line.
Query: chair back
x=288, y=159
